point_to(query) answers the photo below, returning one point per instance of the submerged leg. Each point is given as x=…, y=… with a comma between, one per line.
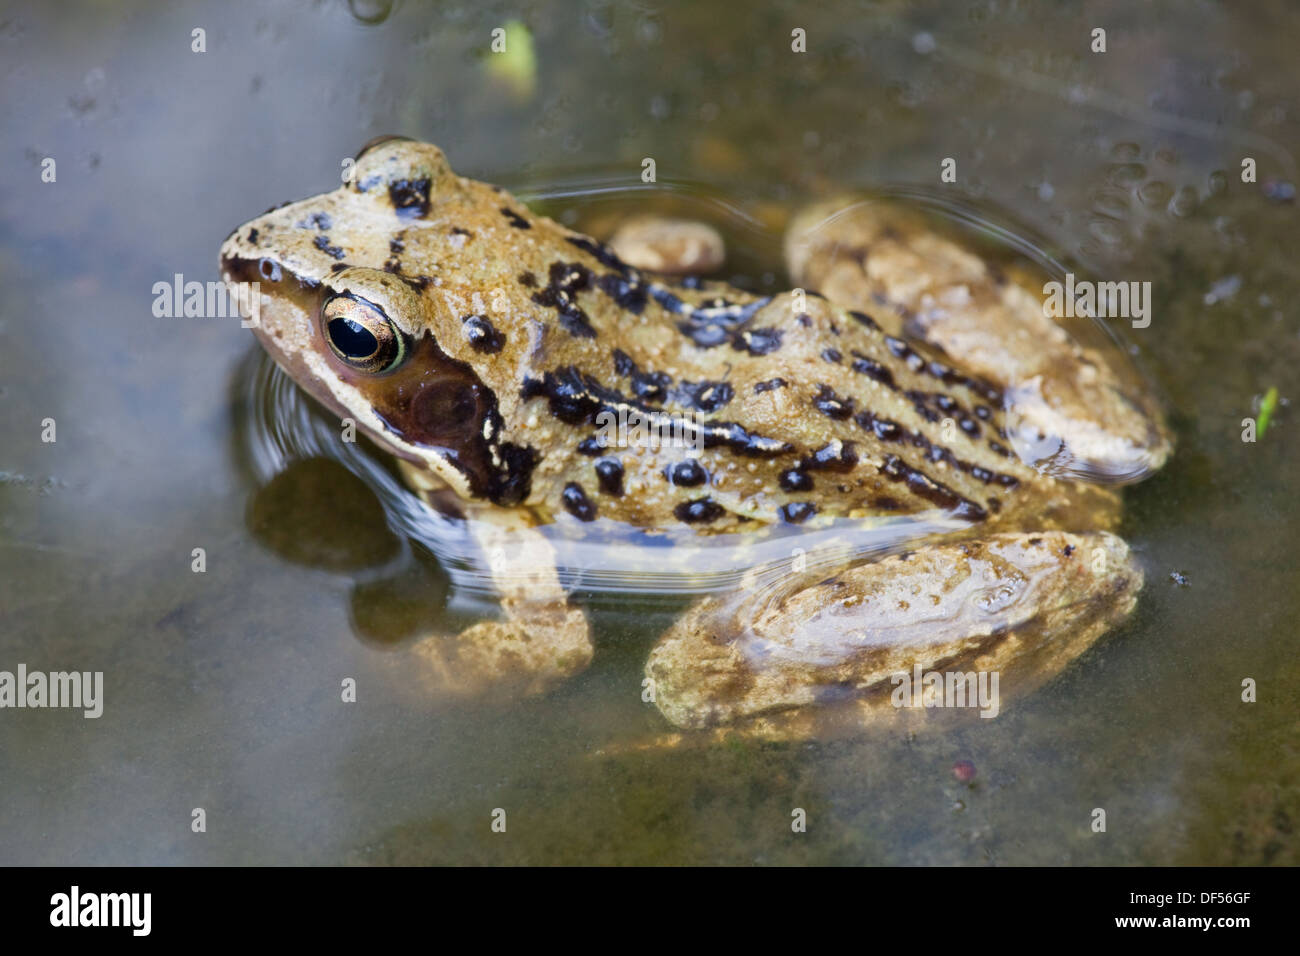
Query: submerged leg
x=540, y=640
x=1070, y=411
x=1019, y=605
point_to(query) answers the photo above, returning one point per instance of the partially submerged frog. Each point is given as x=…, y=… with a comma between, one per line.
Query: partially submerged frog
x=485, y=347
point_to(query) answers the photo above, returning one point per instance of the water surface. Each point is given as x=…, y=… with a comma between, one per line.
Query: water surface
x=222, y=688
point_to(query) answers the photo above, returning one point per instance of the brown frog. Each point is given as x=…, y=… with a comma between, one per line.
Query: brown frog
x=919, y=390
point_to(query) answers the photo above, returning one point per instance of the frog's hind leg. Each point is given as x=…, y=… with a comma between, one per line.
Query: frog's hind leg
x=1000, y=615
x=539, y=641
x=1074, y=409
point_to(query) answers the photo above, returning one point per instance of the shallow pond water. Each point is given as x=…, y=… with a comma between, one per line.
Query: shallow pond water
x=222, y=688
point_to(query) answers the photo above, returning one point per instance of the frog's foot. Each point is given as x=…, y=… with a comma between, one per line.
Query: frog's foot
x=676, y=247
x=998, y=615
x=1070, y=410
x=536, y=647
x=540, y=641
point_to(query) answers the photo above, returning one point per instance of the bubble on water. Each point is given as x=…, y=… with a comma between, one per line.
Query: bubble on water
x=1155, y=193
x=1218, y=182
x=370, y=12
x=1184, y=202
x=1125, y=152
x=1046, y=192
x=1111, y=203
x=1126, y=174
x=923, y=43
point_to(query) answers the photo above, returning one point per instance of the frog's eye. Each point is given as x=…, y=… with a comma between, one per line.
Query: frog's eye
x=361, y=335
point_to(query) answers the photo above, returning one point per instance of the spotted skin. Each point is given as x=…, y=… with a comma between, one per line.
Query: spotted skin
x=518, y=341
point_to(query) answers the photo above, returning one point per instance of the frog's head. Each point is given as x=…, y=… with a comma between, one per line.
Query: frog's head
x=370, y=341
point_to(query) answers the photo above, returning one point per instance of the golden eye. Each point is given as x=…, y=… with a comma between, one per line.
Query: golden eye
x=361, y=335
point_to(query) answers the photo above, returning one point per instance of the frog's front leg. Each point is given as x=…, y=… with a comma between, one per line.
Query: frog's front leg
x=816, y=658
x=1074, y=408
x=540, y=640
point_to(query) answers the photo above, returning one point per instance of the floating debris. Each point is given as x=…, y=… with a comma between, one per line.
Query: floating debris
x=1225, y=288
x=513, y=61
x=1266, y=409
x=1279, y=190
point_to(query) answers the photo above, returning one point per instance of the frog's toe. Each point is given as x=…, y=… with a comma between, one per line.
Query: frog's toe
x=669, y=246
x=1021, y=606
x=527, y=653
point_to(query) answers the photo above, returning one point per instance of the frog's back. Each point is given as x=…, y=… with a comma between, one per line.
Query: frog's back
x=601, y=392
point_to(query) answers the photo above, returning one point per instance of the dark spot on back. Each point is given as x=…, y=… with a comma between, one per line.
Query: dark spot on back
x=322, y=242
x=609, y=474
x=516, y=220
x=865, y=365
x=706, y=397
x=834, y=456
x=646, y=386
x=317, y=220
x=882, y=428
x=699, y=511
x=792, y=479
x=482, y=334
x=566, y=280
x=923, y=486
x=577, y=503
x=687, y=474
x=863, y=319
x=757, y=341
x=769, y=385
x=797, y=512
x=831, y=405
x=410, y=197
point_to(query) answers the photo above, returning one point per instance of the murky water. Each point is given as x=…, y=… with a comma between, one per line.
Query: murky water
x=222, y=689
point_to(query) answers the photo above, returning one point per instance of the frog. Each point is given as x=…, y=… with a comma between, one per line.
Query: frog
x=904, y=383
